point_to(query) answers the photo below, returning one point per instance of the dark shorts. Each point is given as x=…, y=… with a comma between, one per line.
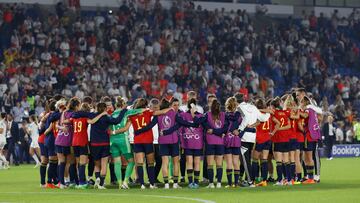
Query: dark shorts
x=98, y=152
x=193, y=152
x=259, y=147
x=294, y=145
x=215, y=149
x=81, y=150
x=281, y=147
x=169, y=150
x=232, y=150
x=63, y=150
x=144, y=148
x=309, y=146
x=49, y=151
x=43, y=151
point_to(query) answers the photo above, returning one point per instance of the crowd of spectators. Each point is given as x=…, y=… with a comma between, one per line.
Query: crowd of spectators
x=150, y=51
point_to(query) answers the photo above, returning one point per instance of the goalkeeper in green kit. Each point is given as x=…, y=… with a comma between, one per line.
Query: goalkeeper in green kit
x=119, y=142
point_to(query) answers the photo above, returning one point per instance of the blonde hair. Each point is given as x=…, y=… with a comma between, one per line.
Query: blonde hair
x=230, y=104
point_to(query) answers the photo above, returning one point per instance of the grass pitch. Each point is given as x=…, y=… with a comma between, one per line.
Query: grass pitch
x=340, y=182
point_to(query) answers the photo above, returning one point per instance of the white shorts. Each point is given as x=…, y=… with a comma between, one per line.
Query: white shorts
x=34, y=144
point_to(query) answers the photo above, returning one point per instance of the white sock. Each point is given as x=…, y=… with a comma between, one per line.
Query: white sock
x=67, y=179
x=36, y=159
x=2, y=157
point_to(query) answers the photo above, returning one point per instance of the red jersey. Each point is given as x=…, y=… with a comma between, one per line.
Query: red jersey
x=306, y=127
x=80, y=136
x=55, y=129
x=299, y=134
x=283, y=117
x=139, y=121
x=263, y=132
x=41, y=138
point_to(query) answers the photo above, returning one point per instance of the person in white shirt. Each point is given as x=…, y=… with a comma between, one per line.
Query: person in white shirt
x=33, y=131
x=339, y=133
x=3, y=141
x=250, y=116
x=191, y=95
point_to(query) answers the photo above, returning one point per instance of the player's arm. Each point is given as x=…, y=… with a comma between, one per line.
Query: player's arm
x=148, y=127
x=277, y=126
x=179, y=120
x=161, y=112
x=49, y=129
x=171, y=129
x=122, y=130
x=294, y=115
x=301, y=126
x=132, y=112
x=304, y=114
x=94, y=120
x=221, y=131
x=113, y=121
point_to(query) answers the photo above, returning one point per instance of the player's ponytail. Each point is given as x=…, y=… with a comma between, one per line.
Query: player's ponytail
x=215, y=109
x=120, y=102
x=33, y=118
x=164, y=104
x=230, y=104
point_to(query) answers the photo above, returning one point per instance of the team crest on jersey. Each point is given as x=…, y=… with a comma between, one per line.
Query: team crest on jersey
x=166, y=121
x=218, y=124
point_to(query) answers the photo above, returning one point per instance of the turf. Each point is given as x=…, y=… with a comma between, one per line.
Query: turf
x=340, y=182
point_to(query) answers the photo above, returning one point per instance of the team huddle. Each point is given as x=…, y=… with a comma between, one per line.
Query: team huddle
x=77, y=137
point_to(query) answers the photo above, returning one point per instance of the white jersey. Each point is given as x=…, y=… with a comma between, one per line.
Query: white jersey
x=251, y=115
x=185, y=108
x=155, y=131
x=34, y=134
x=131, y=134
x=3, y=134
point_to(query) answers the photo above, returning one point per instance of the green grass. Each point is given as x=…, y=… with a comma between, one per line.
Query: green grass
x=340, y=182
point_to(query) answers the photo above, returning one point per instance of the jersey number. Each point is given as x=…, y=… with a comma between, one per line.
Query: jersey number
x=282, y=120
x=77, y=127
x=143, y=124
x=266, y=125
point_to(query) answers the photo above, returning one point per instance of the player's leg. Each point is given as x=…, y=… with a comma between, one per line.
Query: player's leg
x=82, y=166
x=139, y=157
x=264, y=166
x=236, y=163
x=279, y=168
x=165, y=170
x=176, y=170
x=103, y=171
x=210, y=159
x=219, y=158
x=182, y=165
x=298, y=166
x=229, y=166
x=255, y=163
x=286, y=162
x=150, y=159
x=61, y=166
x=116, y=158
x=157, y=162
x=74, y=178
x=197, y=164
x=189, y=167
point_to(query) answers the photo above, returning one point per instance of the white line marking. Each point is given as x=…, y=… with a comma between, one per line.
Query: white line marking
x=111, y=194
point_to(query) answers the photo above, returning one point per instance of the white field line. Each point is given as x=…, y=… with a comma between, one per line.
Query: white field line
x=111, y=194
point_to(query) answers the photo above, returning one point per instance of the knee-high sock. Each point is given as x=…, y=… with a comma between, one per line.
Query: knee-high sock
x=236, y=176
x=61, y=172
x=288, y=171
x=210, y=170
x=52, y=172
x=264, y=169
x=292, y=170
x=123, y=171
x=82, y=176
x=151, y=173
x=205, y=167
x=229, y=176
x=73, y=175
x=129, y=170
x=254, y=169
x=117, y=170
x=140, y=173
x=279, y=171
x=36, y=159
x=219, y=173
x=183, y=164
x=112, y=173
x=310, y=172
x=42, y=173
x=190, y=175
x=196, y=177
x=91, y=167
